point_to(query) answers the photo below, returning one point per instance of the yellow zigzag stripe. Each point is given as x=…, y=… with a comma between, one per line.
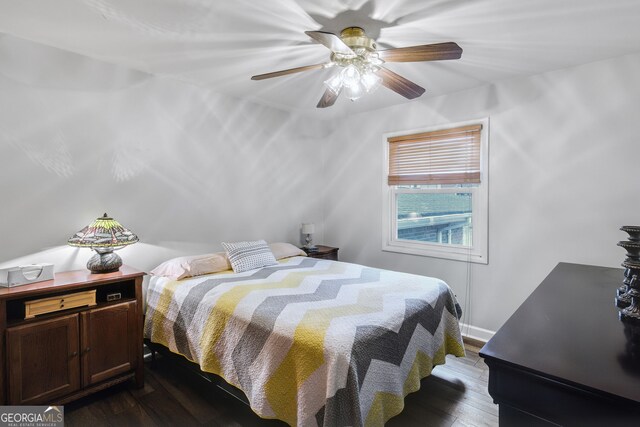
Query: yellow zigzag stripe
x=159, y=321
x=306, y=354
x=227, y=303
x=386, y=405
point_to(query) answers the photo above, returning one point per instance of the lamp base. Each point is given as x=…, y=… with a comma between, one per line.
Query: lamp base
x=308, y=243
x=104, y=261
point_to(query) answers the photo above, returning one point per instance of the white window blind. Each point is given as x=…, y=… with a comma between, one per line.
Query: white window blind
x=449, y=156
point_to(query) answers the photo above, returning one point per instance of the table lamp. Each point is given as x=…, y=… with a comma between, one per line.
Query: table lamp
x=308, y=229
x=104, y=235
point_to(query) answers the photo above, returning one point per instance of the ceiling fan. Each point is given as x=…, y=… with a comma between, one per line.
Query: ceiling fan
x=361, y=64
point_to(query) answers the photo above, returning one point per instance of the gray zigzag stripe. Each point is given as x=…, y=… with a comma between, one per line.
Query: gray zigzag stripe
x=376, y=343
x=340, y=409
x=190, y=305
x=266, y=314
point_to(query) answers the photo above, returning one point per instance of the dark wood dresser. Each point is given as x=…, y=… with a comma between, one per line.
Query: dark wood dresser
x=323, y=252
x=65, y=338
x=563, y=358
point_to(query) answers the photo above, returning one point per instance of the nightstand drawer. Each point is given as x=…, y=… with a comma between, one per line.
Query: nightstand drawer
x=332, y=256
x=62, y=302
x=323, y=252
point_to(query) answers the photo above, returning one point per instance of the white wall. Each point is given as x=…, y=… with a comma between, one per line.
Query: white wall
x=186, y=169
x=563, y=171
x=182, y=167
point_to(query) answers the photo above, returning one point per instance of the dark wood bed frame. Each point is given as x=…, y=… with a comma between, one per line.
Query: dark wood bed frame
x=194, y=368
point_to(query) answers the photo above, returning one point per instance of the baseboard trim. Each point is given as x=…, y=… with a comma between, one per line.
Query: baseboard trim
x=472, y=342
x=476, y=334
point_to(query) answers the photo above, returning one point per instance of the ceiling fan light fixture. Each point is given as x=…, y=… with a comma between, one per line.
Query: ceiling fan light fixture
x=361, y=64
x=356, y=78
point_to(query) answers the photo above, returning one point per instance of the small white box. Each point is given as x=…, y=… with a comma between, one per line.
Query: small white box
x=25, y=274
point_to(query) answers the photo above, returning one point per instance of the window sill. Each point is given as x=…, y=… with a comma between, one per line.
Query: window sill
x=455, y=254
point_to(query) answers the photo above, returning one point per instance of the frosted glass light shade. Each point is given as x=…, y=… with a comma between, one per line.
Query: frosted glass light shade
x=355, y=91
x=308, y=228
x=334, y=83
x=371, y=81
x=350, y=76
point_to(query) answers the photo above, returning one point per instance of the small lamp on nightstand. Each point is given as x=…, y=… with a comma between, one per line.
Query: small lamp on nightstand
x=308, y=229
x=104, y=235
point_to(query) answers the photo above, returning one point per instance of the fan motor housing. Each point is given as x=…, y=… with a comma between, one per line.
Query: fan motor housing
x=355, y=38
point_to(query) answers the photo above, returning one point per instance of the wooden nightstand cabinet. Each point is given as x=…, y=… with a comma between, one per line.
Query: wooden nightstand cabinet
x=324, y=252
x=66, y=354
x=42, y=360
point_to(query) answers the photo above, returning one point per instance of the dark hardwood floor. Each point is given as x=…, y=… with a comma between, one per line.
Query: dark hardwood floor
x=454, y=395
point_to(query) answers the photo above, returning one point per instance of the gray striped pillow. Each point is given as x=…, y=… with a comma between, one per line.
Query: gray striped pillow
x=245, y=256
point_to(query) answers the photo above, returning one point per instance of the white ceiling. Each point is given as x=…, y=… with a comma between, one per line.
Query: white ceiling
x=219, y=44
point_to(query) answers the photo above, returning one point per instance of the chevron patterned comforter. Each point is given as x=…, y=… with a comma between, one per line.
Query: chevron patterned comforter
x=310, y=341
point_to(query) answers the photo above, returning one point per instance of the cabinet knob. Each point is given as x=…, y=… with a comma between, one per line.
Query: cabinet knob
x=74, y=354
x=87, y=350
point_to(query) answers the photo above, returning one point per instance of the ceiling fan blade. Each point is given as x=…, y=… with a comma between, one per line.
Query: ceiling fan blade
x=399, y=84
x=289, y=71
x=427, y=52
x=331, y=41
x=328, y=99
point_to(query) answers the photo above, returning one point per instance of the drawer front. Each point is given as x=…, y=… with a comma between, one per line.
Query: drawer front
x=62, y=302
x=330, y=255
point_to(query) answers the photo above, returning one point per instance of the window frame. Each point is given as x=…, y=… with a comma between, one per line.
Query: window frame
x=478, y=252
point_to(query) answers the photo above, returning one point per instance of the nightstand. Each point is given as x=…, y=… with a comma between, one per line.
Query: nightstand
x=323, y=252
x=70, y=336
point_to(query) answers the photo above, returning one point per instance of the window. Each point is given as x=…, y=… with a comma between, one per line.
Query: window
x=435, y=192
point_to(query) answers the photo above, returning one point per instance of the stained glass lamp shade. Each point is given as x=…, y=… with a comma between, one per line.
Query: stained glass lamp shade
x=104, y=235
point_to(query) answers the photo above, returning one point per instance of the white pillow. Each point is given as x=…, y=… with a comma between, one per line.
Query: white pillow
x=195, y=265
x=285, y=250
x=245, y=256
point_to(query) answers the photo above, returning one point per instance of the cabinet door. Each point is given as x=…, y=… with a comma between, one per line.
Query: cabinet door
x=108, y=343
x=43, y=360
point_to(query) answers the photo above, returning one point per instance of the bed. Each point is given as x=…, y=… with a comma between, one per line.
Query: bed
x=310, y=341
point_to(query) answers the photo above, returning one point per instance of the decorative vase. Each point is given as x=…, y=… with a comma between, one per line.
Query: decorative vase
x=625, y=285
x=633, y=231
x=623, y=299
x=633, y=249
x=631, y=313
x=626, y=293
